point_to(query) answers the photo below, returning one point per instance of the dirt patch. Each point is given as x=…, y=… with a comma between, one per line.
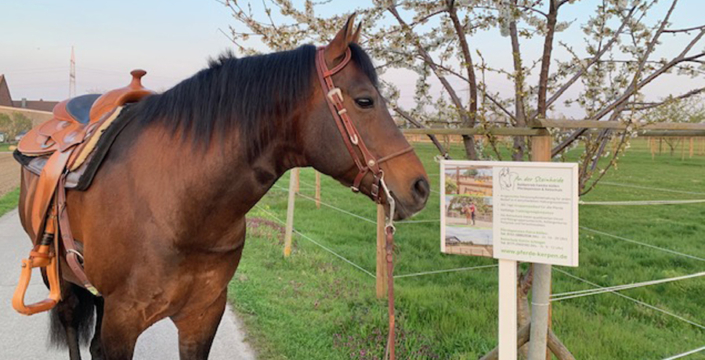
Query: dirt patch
x=9, y=173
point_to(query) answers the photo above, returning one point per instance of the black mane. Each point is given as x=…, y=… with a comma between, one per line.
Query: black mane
x=250, y=94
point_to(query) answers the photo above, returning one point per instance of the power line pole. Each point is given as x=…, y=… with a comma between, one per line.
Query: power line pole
x=72, y=76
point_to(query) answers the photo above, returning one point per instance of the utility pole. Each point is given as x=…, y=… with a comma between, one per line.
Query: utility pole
x=72, y=76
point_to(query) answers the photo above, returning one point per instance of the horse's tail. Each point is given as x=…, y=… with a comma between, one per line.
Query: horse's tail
x=77, y=308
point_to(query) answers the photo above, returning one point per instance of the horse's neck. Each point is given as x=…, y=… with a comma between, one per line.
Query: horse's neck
x=237, y=182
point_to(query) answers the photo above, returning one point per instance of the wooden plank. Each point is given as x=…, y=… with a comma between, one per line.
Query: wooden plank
x=381, y=273
x=475, y=131
x=595, y=124
x=655, y=131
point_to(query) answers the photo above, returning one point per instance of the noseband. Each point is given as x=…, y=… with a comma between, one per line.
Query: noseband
x=363, y=158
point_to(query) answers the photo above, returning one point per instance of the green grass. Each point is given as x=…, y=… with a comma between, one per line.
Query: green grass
x=315, y=306
x=6, y=146
x=9, y=201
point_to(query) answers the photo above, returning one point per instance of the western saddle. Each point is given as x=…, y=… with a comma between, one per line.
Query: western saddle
x=57, y=149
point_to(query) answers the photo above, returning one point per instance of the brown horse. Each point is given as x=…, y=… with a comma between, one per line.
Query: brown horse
x=163, y=223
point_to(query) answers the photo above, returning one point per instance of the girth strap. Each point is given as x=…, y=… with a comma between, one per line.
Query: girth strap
x=72, y=255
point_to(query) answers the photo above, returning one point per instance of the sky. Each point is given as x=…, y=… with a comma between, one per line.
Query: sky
x=174, y=39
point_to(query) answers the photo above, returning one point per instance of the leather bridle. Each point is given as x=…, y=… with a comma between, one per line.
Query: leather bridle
x=366, y=163
x=363, y=158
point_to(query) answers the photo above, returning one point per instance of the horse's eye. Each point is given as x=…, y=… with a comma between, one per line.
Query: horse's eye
x=364, y=103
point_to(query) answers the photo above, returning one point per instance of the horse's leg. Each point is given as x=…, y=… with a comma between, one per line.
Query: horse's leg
x=121, y=326
x=197, y=329
x=96, y=344
x=70, y=318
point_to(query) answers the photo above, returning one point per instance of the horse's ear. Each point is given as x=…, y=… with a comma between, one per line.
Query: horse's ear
x=356, y=35
x=341, y=41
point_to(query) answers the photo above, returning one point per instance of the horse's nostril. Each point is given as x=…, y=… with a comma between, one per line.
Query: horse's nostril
x=421, y=188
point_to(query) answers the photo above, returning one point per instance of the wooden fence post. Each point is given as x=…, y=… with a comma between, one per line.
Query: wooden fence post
x=381, y=273
x=691, y=147
x=290, y=211
x=652, y=146
x=682, y=148
x=318, y=190
x=541, y=289
x=298, y=180
x=660, y=145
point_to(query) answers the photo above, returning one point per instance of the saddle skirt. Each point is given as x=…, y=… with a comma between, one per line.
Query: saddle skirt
x=65, y=152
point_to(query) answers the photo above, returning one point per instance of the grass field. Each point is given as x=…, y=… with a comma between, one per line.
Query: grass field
x=9, y=201
x=6, y=146
x=315, y=306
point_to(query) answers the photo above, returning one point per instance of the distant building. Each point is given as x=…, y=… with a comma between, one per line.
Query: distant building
x=6, y=99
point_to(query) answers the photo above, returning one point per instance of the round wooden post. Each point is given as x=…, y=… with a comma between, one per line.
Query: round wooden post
x=290, y=212
x=660, y=145
x=690, y=150
x=541, y=289
x=318, y=190
x=298, y=180
x=381, y=273
x=652, y=145
x=682, y=148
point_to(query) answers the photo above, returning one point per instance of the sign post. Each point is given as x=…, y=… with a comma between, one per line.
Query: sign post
x=507, y=309
x=541, y=289
x=293, y=185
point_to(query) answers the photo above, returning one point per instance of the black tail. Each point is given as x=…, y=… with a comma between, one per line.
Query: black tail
x=76, y=310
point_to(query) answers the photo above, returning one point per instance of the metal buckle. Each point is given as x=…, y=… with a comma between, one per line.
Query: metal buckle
x=335, y=91
x=374, y=190
x=354, y=139
x=392, y=205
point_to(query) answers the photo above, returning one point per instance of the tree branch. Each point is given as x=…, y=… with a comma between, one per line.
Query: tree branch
x=592, y=61
x=546, y=58
x=429, y=60
x=635, y=85
x=685, y=30
x=519, y=112
x=418, y=124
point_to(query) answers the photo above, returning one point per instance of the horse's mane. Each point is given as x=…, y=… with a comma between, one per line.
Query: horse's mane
x=250, y=94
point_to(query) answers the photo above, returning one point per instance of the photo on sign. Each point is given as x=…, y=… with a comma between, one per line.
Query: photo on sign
x=467, y=212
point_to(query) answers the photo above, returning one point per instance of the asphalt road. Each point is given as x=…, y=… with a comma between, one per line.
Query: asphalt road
x=23, y=337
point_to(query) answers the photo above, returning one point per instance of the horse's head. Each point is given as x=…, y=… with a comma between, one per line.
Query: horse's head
x=352, y=137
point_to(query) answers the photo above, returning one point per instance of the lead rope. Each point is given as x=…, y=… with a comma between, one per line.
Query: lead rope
x=389, y=230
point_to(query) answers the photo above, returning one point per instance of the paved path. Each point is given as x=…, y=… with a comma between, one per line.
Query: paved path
x=23, y=337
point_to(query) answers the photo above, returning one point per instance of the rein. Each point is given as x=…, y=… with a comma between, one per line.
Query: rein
x=366, y=163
